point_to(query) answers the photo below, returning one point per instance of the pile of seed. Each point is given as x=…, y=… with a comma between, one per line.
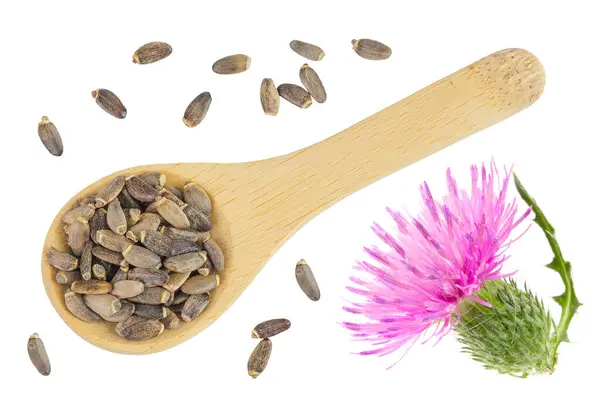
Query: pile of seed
x=140, y=255
x=196, y=111
x=262, y=352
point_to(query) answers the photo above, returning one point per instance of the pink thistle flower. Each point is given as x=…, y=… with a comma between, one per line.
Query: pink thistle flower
x=434, y=261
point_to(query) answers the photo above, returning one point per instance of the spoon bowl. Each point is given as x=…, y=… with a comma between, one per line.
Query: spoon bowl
x=258, y=205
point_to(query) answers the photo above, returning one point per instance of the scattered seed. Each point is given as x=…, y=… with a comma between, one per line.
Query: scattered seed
x=140, y=190
x=112, y=241
x=103, y=304
x=77, y=306
x=295, y=95
x=194, y=306
x=176, y=279
x=126, y=311
x=148, y=222
x=307, y=50
x=154, y=179
x=196, y=111
x=84, y=211
x=149, y=277
x=115, y=218
x=186, y=262
x=232, y=64
x=109, y=102
x=38, y=355
x=184, y=246
x=200, y=284
x=129, y=322
x=93, y=286
x=144, y=330
x=78, y=234
x=306, y=280
x=269, y=97
x=197, y=219
x=152, y=52
x=313, y=84
x=179, y=234
x=215, y=254
x=151, y=311
x=60, y=260
x=125, y=289
x=180, y=298
x=141, y=257
x=371, y=49
x=151, y=295
x=110, y=192
x=127, y=201
x=67, y=277
x=172, y=213
x=196, y=196
x=157, y=242
x=259, y=358
x=109, y=256
x=271, y=328
x=171, y=321
x=50, y=137
x=98, y=223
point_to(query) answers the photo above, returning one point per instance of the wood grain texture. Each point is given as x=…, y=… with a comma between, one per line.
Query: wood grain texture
x=260, y=204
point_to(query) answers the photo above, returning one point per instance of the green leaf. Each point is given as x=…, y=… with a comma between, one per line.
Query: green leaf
x=567, y=300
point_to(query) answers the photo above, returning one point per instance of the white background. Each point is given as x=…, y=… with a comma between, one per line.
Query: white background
x=55, y=53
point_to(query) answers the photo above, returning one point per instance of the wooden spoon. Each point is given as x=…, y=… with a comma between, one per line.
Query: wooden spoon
x=259, y=205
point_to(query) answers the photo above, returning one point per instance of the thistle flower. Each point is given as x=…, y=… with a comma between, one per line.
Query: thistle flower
x=432, y=263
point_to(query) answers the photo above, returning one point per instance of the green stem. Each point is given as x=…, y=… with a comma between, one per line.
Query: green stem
x=567, y=300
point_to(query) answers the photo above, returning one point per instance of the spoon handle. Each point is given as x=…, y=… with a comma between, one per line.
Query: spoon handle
x=474, y=98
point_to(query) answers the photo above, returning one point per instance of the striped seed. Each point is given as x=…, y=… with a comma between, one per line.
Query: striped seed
x=140, y=190
x=151, y=311
x=200, y=284
x=109, y=256
x=197, y=219
x=295, y=95
x=151, y=295
x=149, y=277
x=85, y=261
x=196, y=196
x=109, y=102
x=186, y=262
x=194, y=306
x=215, y=254
x=311, y=81
x=271, y=328
x=180, y=234
x=269, y=97
x=83, y=211
x=197, y=110
x=67, y=277
x=92, y=286
x=78, y=234
x=259, y=358
x=98, y=223
x=147, y=222
x=144, y=330
x=141, y=257
x=152, y=52
x=371, y=49
x=176, y=279
x=172, y=214
x=110, y=192
x=126, y=311
x=184, y=246
x=112, y=241
x=307, y=50
x=77, y=306
x=38, y=355
x=115, y=217
x=306, y=280
x=50, y=137
x=157, y=242
x=60, y=260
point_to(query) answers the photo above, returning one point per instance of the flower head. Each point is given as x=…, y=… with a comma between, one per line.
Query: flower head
x=432, y=262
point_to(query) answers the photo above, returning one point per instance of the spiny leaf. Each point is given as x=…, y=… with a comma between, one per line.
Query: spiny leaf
x=567, y=300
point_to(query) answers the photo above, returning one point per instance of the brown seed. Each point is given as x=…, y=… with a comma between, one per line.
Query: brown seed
x=50, y=137
x=151, y=295
x=179, y=234
x=129, y=322
x=38, y=355
x=126, y=311
x=183, y=246
x=271, y=328
x=151, y=311
x=92, y=286
x=110, y=192
x=295, y=95
x=98, y=223
x=157, y=242
x=78, y=236
x=127, y=201
x=60, y=260
x=171, y=321
x=259, y=358
x=67, y=277
x=143, y=330
x=127, y=288
x=197, y=219
x=313, y=84
x=140, y=190
x=154, y=179
x=232, y=64
x=112, y=241
x=103, y=304
x=149, y=277
x=196, y=111
x=180, y=298
x=141, y=257
x=120, y=275
x=132, y=216
x=165, y=193
x=176, y=279
x=269, y=97
x=306, y=280
x=109, y=256
x=186, y=262
x=196, y=196
x=86, y=212
x=152, y=52
x=147, y=222
x=85, y=261
x=175, y=191
x=115, y=218
x=109, y=102
x=307, y=50
x=194, y=306
x=371, y=49
x=76, y=305
x=99, y=272
x=200, y=284
x=172, y=213
x=215, y=254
